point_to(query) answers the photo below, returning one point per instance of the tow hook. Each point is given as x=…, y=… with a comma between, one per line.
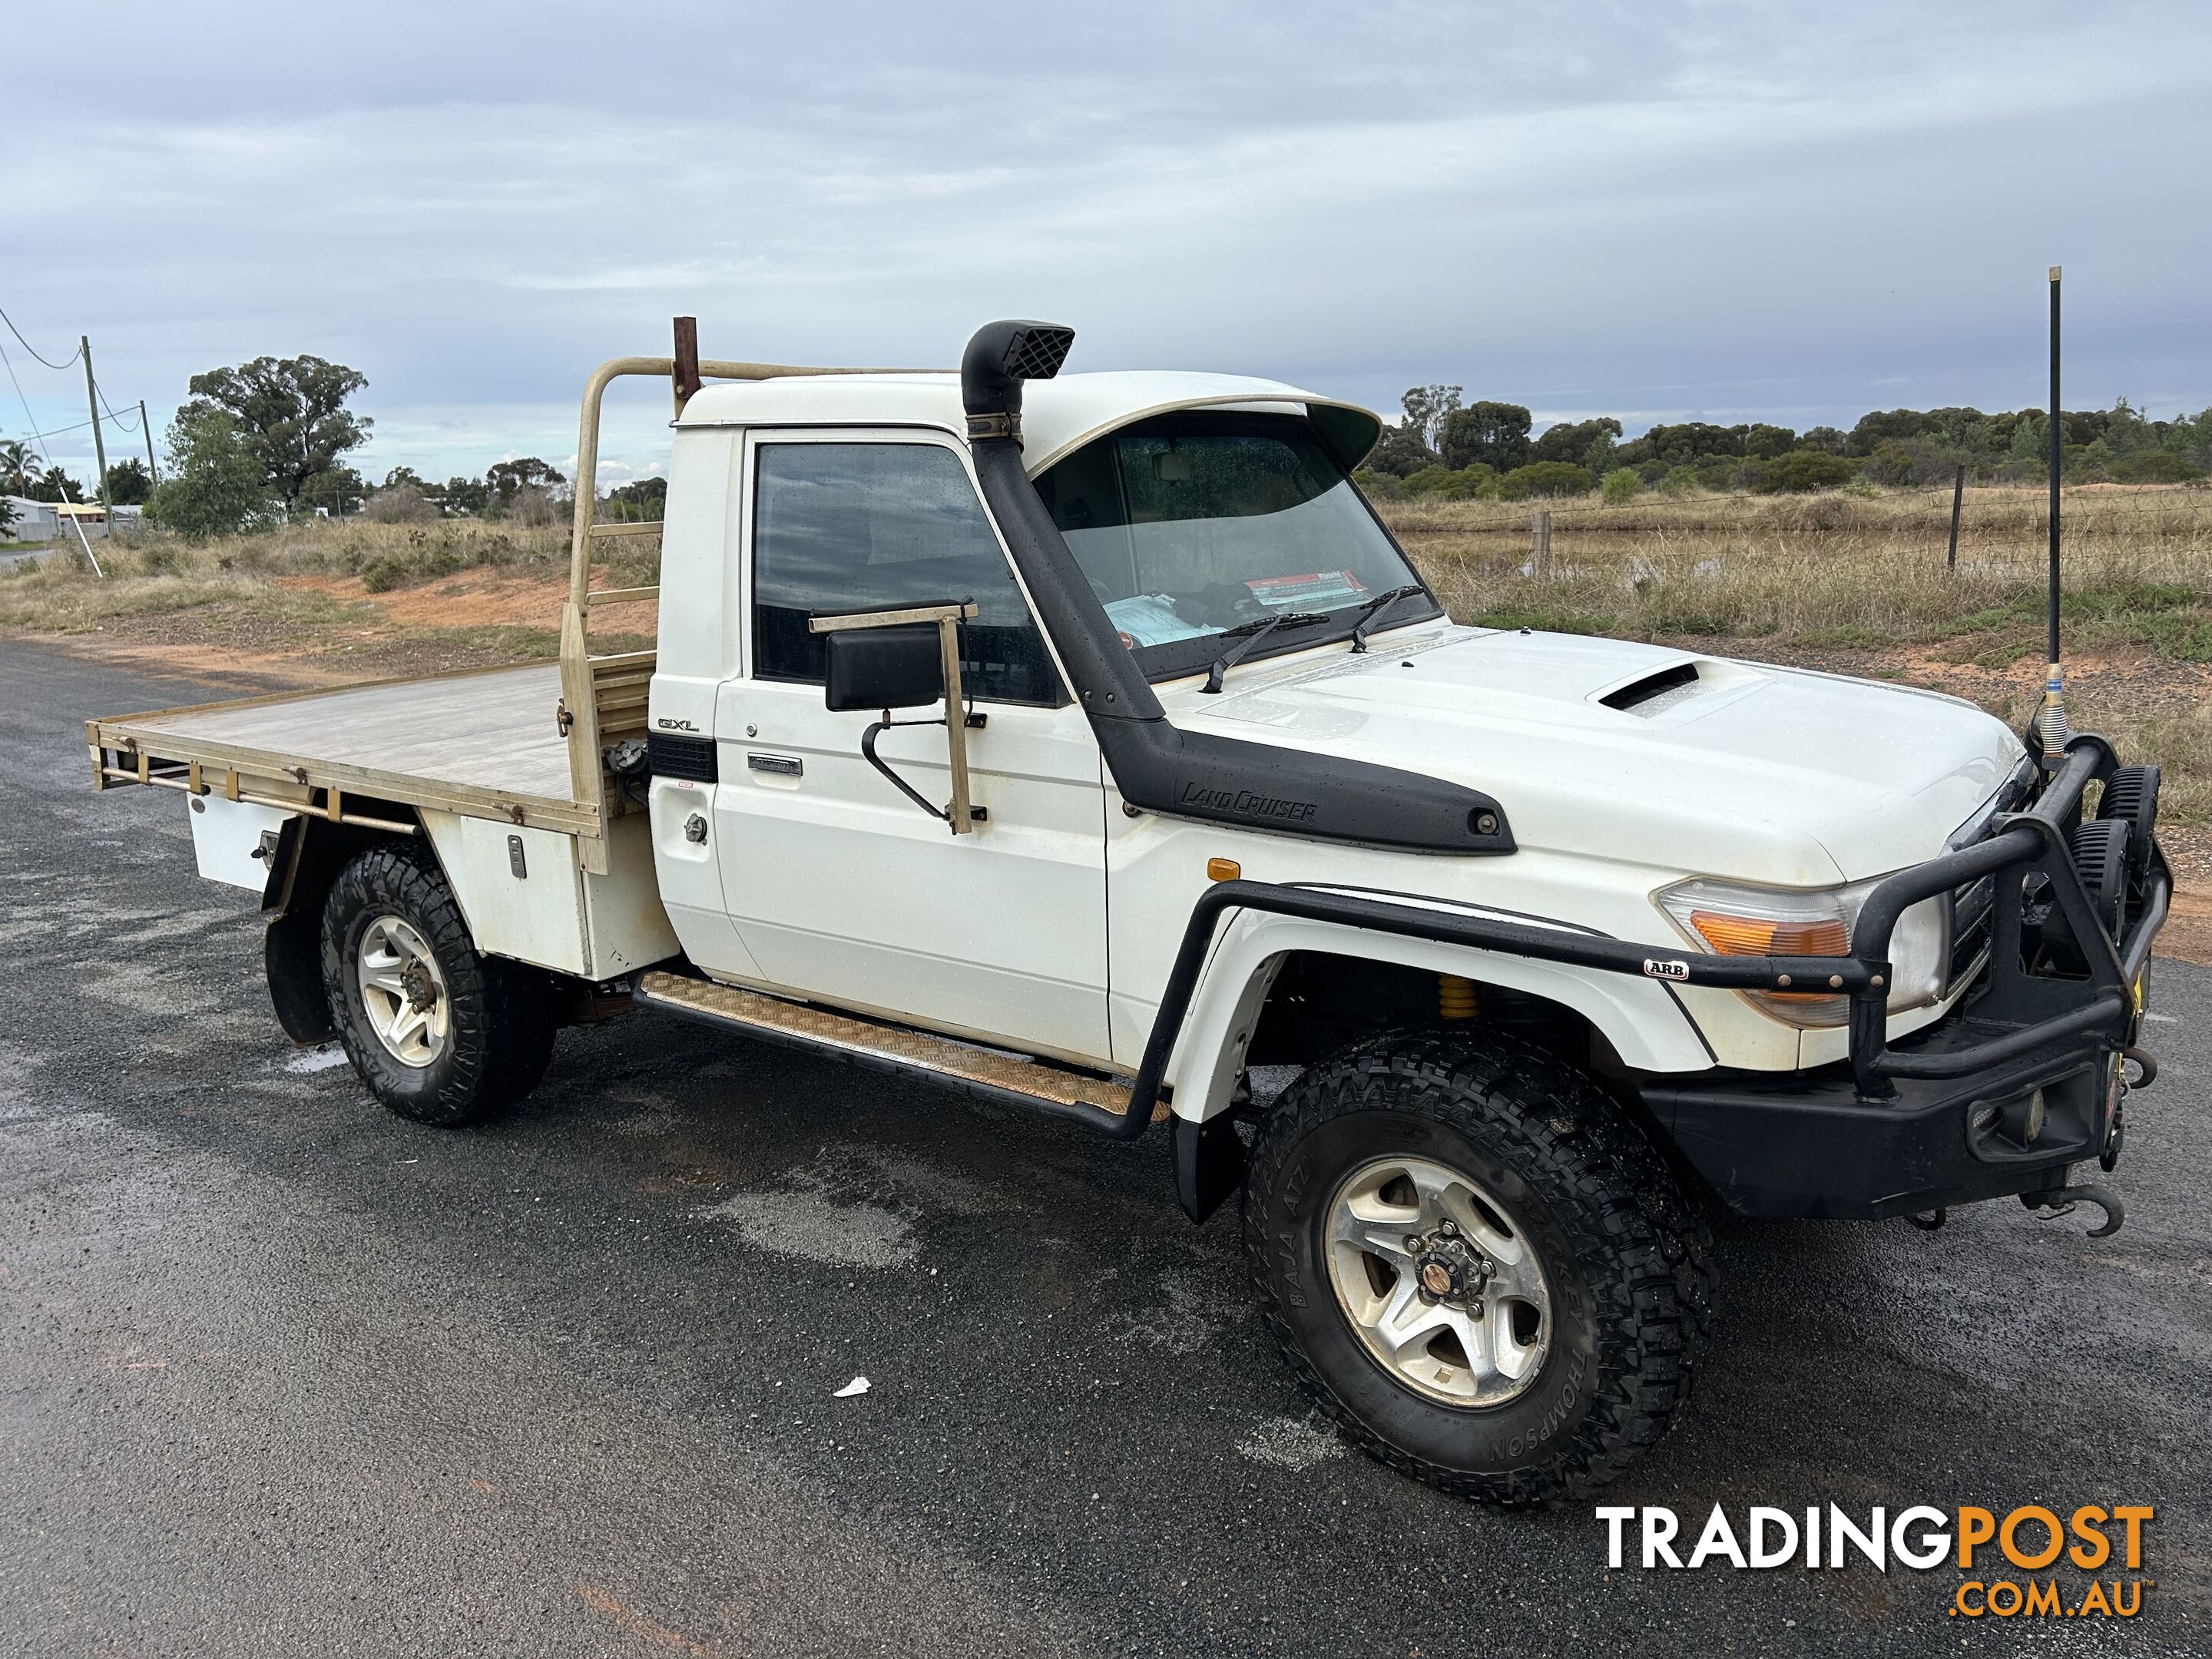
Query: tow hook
x=2055, y=1201
x=1930, y=1221
x=2143, y=1057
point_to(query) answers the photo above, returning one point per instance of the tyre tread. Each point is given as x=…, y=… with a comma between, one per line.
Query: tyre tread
x=1646, y=1251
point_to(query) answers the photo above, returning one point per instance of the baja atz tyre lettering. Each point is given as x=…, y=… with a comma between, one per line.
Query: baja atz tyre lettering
x=1477, y=1264
x=439, y=1033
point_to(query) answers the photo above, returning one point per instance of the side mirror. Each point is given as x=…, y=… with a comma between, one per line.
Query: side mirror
x=903, y=659
x=897, y=667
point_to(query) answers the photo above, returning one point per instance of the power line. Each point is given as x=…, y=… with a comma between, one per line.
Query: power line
x=128, y=425
x=65, y=363
x=10, y=364
x=60, y=431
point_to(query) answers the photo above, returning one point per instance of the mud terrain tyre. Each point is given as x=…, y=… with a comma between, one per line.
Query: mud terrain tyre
x=1413, y=1178
x=439, y=1033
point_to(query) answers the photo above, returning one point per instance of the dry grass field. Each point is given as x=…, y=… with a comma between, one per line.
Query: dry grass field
x=1860, y=585
x=1855, y=583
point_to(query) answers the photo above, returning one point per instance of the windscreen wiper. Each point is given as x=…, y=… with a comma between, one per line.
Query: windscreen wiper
x=1375, y=607
x=1247, y=635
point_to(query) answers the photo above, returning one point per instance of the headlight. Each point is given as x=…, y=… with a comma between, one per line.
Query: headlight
x=1730, y=919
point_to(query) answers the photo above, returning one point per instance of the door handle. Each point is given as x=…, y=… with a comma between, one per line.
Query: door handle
x=782, y=766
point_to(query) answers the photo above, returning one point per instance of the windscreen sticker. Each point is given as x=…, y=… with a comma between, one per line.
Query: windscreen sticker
x=1316, y=589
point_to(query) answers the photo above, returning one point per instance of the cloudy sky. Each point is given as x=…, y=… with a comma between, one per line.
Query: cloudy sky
x=1658, y=210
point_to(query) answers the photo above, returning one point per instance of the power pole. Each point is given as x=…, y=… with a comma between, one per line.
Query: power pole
x=98, y=445
x=146, y=427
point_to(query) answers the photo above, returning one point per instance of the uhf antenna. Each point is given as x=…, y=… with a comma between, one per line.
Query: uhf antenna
x=2051, y=726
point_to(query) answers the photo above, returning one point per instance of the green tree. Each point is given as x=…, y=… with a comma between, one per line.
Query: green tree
x=506, y=479
x=16, y=467
x=1410, y=445
x=1762, y=442
x=463, y=496
x=1401, y=452
x=1571, y=441
x=7, y=518
x=1686, y=443
x=1879, y=425
x=129, y=483
x=645, y=499
x=337, y=490
x=55, y=485
x=290, y=415
x=1494, y=433
x=1620, y=485
x=218, y=483
x=1426, y=407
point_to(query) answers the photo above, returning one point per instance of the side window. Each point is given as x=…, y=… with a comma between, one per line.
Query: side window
x=857, y=526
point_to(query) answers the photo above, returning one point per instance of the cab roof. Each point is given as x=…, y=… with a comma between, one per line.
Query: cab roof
x=1058, y=416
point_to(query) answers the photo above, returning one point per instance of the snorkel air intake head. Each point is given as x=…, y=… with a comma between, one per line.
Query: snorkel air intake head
x=1000, y=357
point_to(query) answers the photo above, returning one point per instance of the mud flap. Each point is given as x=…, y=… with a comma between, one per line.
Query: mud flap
x=1209, y=1160
x=292, y=956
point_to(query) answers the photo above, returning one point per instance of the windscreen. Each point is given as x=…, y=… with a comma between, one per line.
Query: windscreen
x=1193, y=524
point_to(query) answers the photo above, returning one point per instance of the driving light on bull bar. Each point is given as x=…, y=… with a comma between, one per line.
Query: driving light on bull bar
x=1730, y=919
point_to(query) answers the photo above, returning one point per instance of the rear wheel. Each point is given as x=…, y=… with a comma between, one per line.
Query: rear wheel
x=439, y=1033
x=1477, y=1264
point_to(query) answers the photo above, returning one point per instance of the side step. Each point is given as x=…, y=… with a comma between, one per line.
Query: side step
x=984, y=1073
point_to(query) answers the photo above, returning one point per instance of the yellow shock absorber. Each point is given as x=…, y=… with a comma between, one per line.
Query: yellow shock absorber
x=1456, y=998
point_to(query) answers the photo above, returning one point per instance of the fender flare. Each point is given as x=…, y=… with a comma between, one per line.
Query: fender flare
x=1647, y=1028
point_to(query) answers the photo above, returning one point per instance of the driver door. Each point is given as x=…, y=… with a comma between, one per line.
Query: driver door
x=841, y=887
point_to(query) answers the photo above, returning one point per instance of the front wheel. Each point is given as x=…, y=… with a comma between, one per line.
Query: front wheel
x=1477, y=1264
x=439, y=1033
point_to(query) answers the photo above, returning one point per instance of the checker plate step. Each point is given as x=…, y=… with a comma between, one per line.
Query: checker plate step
x=897, y=1047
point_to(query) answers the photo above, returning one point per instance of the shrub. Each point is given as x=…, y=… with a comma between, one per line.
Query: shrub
x=1467, y=484
x=399, y=503
x=1544, y=478
x=1678, y=481
x=1805, y=470
x=2155, y=466
x=1620, y=485
x=535, y=505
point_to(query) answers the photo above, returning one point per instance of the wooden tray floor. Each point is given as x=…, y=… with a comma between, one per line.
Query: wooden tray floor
x=494, y=730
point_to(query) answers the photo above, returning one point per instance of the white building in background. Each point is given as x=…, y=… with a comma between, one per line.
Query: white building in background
x=34, y=521
x=47, y=521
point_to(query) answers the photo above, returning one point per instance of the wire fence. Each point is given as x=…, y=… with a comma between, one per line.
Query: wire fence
x=2091, y=509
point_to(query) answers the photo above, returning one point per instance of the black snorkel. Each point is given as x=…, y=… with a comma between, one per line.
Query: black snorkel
x=1157, y=766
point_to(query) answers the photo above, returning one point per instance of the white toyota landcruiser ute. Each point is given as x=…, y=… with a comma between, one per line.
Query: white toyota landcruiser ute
x=1087, y=743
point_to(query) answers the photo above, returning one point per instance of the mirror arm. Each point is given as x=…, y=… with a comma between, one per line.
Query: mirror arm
x=956, y=721
x=868, y=753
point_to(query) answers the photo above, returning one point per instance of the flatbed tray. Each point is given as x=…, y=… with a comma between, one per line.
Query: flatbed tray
x=485, y=742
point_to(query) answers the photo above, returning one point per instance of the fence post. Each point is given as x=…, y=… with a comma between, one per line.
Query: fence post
x=1540, y=539
x=1958, y=493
